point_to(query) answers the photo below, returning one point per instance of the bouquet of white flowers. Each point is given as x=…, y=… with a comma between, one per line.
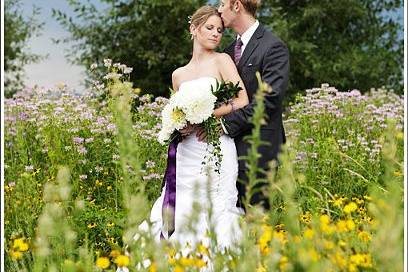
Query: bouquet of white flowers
x=196, y=107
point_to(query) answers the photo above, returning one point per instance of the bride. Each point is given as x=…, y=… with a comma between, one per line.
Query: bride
x=196, y=191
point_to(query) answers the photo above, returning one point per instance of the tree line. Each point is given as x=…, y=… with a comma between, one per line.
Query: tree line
x=350, y=44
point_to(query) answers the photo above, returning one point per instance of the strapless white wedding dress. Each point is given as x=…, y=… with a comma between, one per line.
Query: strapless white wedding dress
x=196, y=188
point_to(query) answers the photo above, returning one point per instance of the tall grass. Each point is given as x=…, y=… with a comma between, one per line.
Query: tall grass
x=81, y=175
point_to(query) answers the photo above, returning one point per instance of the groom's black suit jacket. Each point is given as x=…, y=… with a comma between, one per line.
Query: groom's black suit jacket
x=267, y=54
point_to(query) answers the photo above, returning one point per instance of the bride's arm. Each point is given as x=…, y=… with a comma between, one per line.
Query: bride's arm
x=229, y=72
x=175, y=79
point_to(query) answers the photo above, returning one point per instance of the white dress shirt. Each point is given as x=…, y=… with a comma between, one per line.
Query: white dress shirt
x=246, y=36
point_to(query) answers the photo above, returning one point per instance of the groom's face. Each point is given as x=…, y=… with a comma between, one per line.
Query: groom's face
x=226, y=9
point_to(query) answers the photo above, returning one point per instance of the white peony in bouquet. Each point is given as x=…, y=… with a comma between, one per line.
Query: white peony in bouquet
x=193, y=106
x=196, y=107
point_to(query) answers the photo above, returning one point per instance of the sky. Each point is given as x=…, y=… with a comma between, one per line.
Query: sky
x=56, y=69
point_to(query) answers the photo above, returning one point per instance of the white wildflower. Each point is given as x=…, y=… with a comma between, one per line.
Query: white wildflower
x=107, y=62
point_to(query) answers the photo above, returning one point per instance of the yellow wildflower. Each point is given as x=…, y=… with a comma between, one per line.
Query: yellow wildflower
x=325, y=224
x=308, y=233
x=186, y=261
x=324, y=219
x=363, y=260
x=178, y=269
x=350, y=224
x=359, y=201
x=314, y=255
x=342, y=243
x=260, y=268
x=362, y=210
x=171, y=261
x=122, y=260
x=109, y=188
x=352, y=268
x=202, y=249
x=283, y=263
x=397, y=174
x=16, y=255
x=281, y=236
x=110, y=224
x=20, y=245
x=341, y=226
x=265, y=238
x=364, y=236
x=368, y=198
x=114, y=253
x=338, y=260
x=137, y=90
x=92, y=225
x=280, y=227
x=350, y=207
x=305, y=217
x=297, y=239
x=102, y=262
x=328, y=244
x=172, y=252
x=153, y=267
x=400, y=135
x=199, y=263
x=338, y=202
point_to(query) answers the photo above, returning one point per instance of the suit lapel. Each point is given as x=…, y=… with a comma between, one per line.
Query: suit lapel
x=251, y=46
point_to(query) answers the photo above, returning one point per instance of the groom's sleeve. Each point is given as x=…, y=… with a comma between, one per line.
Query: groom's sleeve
x=275, y=72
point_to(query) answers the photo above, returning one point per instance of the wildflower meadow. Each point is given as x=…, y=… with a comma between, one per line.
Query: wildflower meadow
x=82, y=172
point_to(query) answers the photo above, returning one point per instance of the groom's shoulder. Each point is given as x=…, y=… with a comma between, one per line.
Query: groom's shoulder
x=270, y=36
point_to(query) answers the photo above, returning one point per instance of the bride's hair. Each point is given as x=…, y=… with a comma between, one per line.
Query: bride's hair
x=202, y=14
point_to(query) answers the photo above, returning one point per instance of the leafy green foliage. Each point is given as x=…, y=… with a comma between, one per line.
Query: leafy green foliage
x=224, y=91
x=150, y=36
x=17, y=31
x=351, y=44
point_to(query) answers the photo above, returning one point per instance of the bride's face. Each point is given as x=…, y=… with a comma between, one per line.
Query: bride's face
x=209, y=34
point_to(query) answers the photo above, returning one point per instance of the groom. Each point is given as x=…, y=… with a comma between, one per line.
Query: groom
x=255, y=49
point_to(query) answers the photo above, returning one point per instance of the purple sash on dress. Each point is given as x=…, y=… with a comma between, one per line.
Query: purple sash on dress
x=169, y=201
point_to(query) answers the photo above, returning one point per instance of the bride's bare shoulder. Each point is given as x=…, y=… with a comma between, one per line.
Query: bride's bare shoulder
x=223, y=58
x=177, y=76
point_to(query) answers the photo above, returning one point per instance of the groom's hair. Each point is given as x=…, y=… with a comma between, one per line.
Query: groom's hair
x=251, y=6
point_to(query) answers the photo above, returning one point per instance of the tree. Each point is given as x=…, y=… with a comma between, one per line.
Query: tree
x=346, y=43
x=17, y=31
x=149, y=35
x=350, y=44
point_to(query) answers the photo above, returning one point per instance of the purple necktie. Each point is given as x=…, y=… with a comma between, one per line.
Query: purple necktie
x=237, y=50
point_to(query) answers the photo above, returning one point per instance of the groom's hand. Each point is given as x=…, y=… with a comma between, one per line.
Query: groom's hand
x=201, y=134
x=187, y=130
